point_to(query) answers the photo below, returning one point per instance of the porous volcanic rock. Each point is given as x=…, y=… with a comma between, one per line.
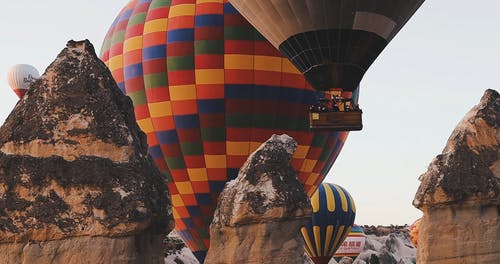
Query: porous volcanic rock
x=260, y=213
x=460, y=193
x=76, y=182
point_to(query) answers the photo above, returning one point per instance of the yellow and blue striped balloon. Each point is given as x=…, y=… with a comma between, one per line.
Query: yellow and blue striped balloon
x=333, y=216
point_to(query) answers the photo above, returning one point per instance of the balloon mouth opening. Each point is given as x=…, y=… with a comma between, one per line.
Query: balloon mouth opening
x=321, y=260
x=334, y=75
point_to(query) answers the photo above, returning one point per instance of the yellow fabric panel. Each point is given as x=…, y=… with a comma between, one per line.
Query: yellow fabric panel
x=115, y=62
x=348, y=230
x=239, y=148
x=317, y=239
x=156, y=25
x=181, y=10
x=215, y=161
x=174, y=212
x=254, y=146
x=343, y=199
x=308, y=165
x=208, y=1
x=328, y=238
x=312, y=178
x=184, y=187
x=267, y=63
x=337, y=238
x=288, y=67
x=210, y=76
x=343, y=237
x=183, y=92
x=133, y=43
x=198, y=174
x=160, y=109
x=315, y=202
x=309, y=247
x=330, y=199
x=177, y=200
x=239, y=62
x=146, y=125
x=301, y=152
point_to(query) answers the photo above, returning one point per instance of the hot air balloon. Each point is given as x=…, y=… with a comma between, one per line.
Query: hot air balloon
x=332, y=42
x=332, y=219
x=20, y=76
x=208, y=89
x=353, y=244
x=414, y=229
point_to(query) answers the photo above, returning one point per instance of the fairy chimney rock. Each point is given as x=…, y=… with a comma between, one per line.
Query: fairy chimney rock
x=460, y=192
x=76, y=181
x=259, y=214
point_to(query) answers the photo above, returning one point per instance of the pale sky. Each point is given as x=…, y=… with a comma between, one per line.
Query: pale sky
x=433, y=72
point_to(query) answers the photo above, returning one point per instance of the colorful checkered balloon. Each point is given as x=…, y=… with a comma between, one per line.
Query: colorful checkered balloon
x=208, y=89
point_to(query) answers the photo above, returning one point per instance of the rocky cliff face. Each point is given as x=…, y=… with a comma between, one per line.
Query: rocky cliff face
x=76, y=181
x=260, y=213
x=460, y=192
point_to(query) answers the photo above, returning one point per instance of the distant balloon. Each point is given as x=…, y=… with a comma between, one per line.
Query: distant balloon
x=353, y=244
x=20, y=76
x=333, y=217
x=414, y=229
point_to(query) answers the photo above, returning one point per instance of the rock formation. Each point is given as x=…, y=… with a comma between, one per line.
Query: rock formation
x=76, y=182
x=260, y=213
x=460, y=192
x=387, y=245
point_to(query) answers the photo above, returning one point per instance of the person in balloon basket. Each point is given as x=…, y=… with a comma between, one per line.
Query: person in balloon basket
x=325, y=102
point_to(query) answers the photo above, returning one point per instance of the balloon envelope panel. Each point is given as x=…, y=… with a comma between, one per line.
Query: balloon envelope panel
x=208, y=89
x=333, y=216
x=414, y=230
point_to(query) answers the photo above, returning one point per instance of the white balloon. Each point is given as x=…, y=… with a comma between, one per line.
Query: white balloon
x=20, y=76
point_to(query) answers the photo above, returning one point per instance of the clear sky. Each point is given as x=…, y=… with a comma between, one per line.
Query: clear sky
x=419, y=88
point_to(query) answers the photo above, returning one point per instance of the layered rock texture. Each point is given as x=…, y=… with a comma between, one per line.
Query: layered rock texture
x=260, y=213
x=460, y=193
x=76, y=182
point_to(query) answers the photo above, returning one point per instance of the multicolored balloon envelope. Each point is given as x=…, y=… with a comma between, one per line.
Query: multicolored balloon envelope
x=208, y=89
x=353, y=244
x=20, y=76
x=414, y=229
x=332, y=219
x=332, y=42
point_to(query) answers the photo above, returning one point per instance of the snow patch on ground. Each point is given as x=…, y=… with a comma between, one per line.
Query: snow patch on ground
x=184, y=256
x=395, y=248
